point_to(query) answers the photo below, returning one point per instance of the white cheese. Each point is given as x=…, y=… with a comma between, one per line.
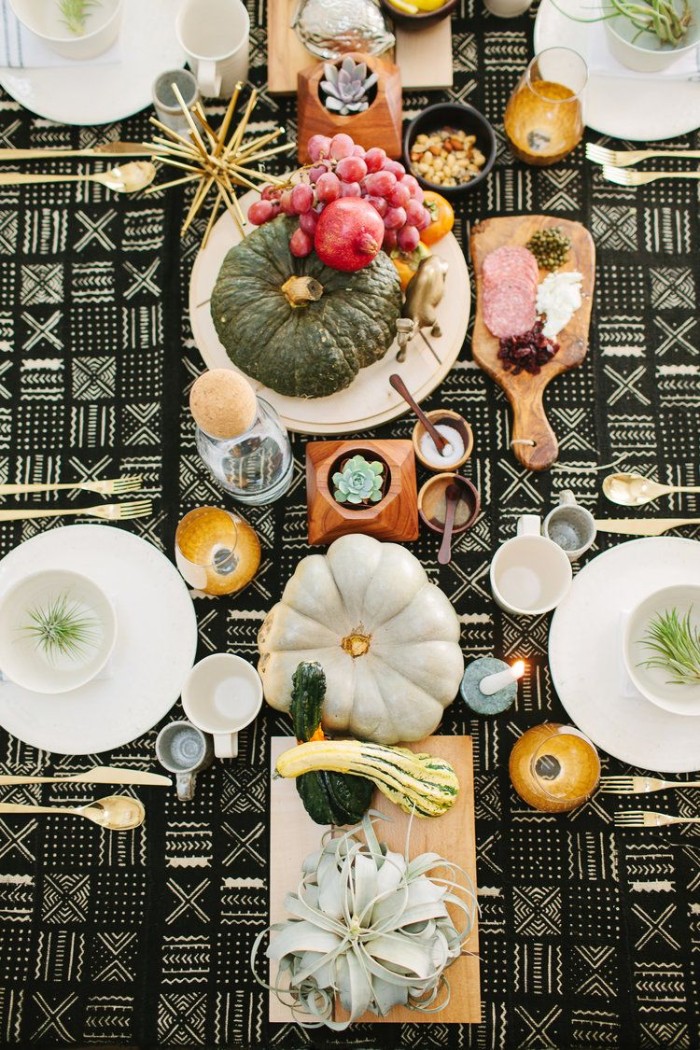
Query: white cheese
x=558, y=298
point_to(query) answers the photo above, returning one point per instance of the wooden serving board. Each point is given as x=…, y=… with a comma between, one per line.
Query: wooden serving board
x=525, y=391
x=293, y=835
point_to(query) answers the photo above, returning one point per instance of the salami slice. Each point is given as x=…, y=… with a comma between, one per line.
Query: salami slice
x=508, y=260
x=509, y=291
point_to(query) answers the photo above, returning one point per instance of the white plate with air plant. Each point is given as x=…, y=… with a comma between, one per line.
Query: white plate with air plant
x=57, y=630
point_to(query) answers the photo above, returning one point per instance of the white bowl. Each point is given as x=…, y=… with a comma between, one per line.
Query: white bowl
x=43, y=19
x=652, y=682
x=24, y=662
x=644, y=52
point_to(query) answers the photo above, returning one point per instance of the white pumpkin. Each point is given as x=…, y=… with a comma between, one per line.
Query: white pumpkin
x=386, y=637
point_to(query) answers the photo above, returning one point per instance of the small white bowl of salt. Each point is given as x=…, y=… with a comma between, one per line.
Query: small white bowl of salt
x=456, y=431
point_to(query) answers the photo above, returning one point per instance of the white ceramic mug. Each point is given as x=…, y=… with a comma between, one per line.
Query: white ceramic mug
x=184, y=750
x=222, y=694
x=45, y=21
x=530, y=574
x=214, y=35
x=570, y=525
x=507, y=8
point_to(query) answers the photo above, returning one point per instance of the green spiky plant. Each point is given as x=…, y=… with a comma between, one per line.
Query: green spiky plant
x=62, y=628
x=74, y=14
x=676, y=645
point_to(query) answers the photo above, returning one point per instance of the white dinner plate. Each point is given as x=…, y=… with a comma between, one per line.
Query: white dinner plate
x=83, y=93
x=635, y=106
x=585, y=655
x=154, y=650
x=369, y=400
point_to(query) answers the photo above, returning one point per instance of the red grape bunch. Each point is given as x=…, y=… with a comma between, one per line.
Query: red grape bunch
x=340, y=168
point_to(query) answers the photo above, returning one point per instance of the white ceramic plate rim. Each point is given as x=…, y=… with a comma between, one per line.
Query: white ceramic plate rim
x=369, y=400
x=641, y=107
x=83, y=93
x=154, y=650
x=585, y=657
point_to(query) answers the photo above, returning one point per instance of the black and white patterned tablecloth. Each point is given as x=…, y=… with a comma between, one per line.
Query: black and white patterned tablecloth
x=589, y=938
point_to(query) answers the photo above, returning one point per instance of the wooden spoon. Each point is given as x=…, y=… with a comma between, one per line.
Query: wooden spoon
x=453, y=495
x=440, y=442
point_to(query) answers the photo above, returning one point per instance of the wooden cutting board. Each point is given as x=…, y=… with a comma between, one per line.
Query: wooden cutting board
x=525, y=391
x=293, y=835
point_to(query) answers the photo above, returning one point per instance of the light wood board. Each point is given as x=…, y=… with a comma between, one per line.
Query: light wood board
x=525, y=391
x=293, y=835
x=424, y=56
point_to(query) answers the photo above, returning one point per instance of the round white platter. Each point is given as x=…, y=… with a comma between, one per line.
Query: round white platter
x=640, y=107
x=369, y=400
x=154, y=650
x=585, y=655
x=86, y=93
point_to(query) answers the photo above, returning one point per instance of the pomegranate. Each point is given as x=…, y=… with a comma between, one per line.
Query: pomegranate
x=349, y=233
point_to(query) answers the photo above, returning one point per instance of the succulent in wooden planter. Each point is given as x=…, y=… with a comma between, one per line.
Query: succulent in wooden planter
x=359, y=482
x=345, y=87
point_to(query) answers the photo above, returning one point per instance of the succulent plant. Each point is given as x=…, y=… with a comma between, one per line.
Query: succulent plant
x=359, y=481
x=62, y=628
x=346, y=86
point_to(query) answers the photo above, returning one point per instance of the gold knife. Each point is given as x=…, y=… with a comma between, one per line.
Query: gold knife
x=96, y=775
x=642, y=526
x=105, y=149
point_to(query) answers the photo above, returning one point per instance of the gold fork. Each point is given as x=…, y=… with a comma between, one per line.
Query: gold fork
x=642, y=818
x=639, y=178
x=623, y=158
x=641, y=785
x=109, y=511
x=107, y=487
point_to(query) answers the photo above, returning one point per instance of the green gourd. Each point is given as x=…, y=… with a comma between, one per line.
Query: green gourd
x=329, y=798
x=295, y=325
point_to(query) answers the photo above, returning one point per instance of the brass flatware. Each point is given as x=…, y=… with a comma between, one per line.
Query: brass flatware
x=108, y=511
x=105, y=149
x=641, y=785
x=642, y=526
x=634, y=490
x=621, y=158
x=622, y=177
x=106, y=487
x=642, y=818
x=123, y=178
x=96, y=775
x=115, y=812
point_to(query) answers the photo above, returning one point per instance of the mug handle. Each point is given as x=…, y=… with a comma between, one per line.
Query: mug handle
x=226, y=745
x=208, y=80
x=184, y=785
x=529, y=525
x=566, y=498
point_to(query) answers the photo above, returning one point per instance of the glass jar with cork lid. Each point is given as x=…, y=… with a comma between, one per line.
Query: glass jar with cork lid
x=240, y=438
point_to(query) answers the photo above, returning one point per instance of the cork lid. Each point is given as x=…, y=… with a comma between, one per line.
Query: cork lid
x=223, y=403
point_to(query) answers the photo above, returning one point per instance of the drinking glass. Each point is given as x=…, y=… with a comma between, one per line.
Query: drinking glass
x=554, y=767
x=544, y=115
x=216, y=550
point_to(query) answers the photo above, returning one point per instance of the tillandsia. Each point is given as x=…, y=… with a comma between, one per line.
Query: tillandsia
x=346, y=86
x=371, y=927
x=675, y=641
x=62, y=628
x=359, y=481
x=74, y=14
x=669, y=20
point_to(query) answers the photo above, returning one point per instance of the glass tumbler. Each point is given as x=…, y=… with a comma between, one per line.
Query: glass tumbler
x=544, y=115
x=554, y=767
x=216, y=551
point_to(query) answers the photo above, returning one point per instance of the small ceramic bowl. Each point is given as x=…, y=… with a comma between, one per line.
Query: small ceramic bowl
x=47, y=23
x=644, y=52
x=442, y=417
x=432, y=503
x=460, y=117
x=419, y=19
x=28, y=663
x=653, y=682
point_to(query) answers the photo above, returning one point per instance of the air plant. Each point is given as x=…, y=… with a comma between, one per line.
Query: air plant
x=676, y=643
x=75, y=13
x=62, y=628
x=370, y=926
x=669, y=20
x=346, y=87
x=359, y=481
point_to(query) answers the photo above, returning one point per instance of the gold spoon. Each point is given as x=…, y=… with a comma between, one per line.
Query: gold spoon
x=115, y=812
x=633, y=490
x=123, y=178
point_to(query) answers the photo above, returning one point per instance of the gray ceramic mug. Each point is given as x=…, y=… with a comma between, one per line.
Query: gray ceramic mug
x=184, y=750
x=570, y=525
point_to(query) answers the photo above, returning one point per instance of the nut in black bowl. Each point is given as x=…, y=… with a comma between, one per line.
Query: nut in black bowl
x=450, y=148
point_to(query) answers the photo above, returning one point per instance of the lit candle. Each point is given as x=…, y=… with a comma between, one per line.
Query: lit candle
x=492, y=683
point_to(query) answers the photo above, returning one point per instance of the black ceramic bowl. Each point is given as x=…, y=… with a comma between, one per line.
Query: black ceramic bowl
x=420, y=18
x=460, y=117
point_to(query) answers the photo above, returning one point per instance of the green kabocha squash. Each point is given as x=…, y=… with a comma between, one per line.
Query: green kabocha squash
x=296, y=325
x=328, y=797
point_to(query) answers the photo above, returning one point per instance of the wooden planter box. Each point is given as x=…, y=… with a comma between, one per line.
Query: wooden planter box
x=395, y=517
x=379, y=125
